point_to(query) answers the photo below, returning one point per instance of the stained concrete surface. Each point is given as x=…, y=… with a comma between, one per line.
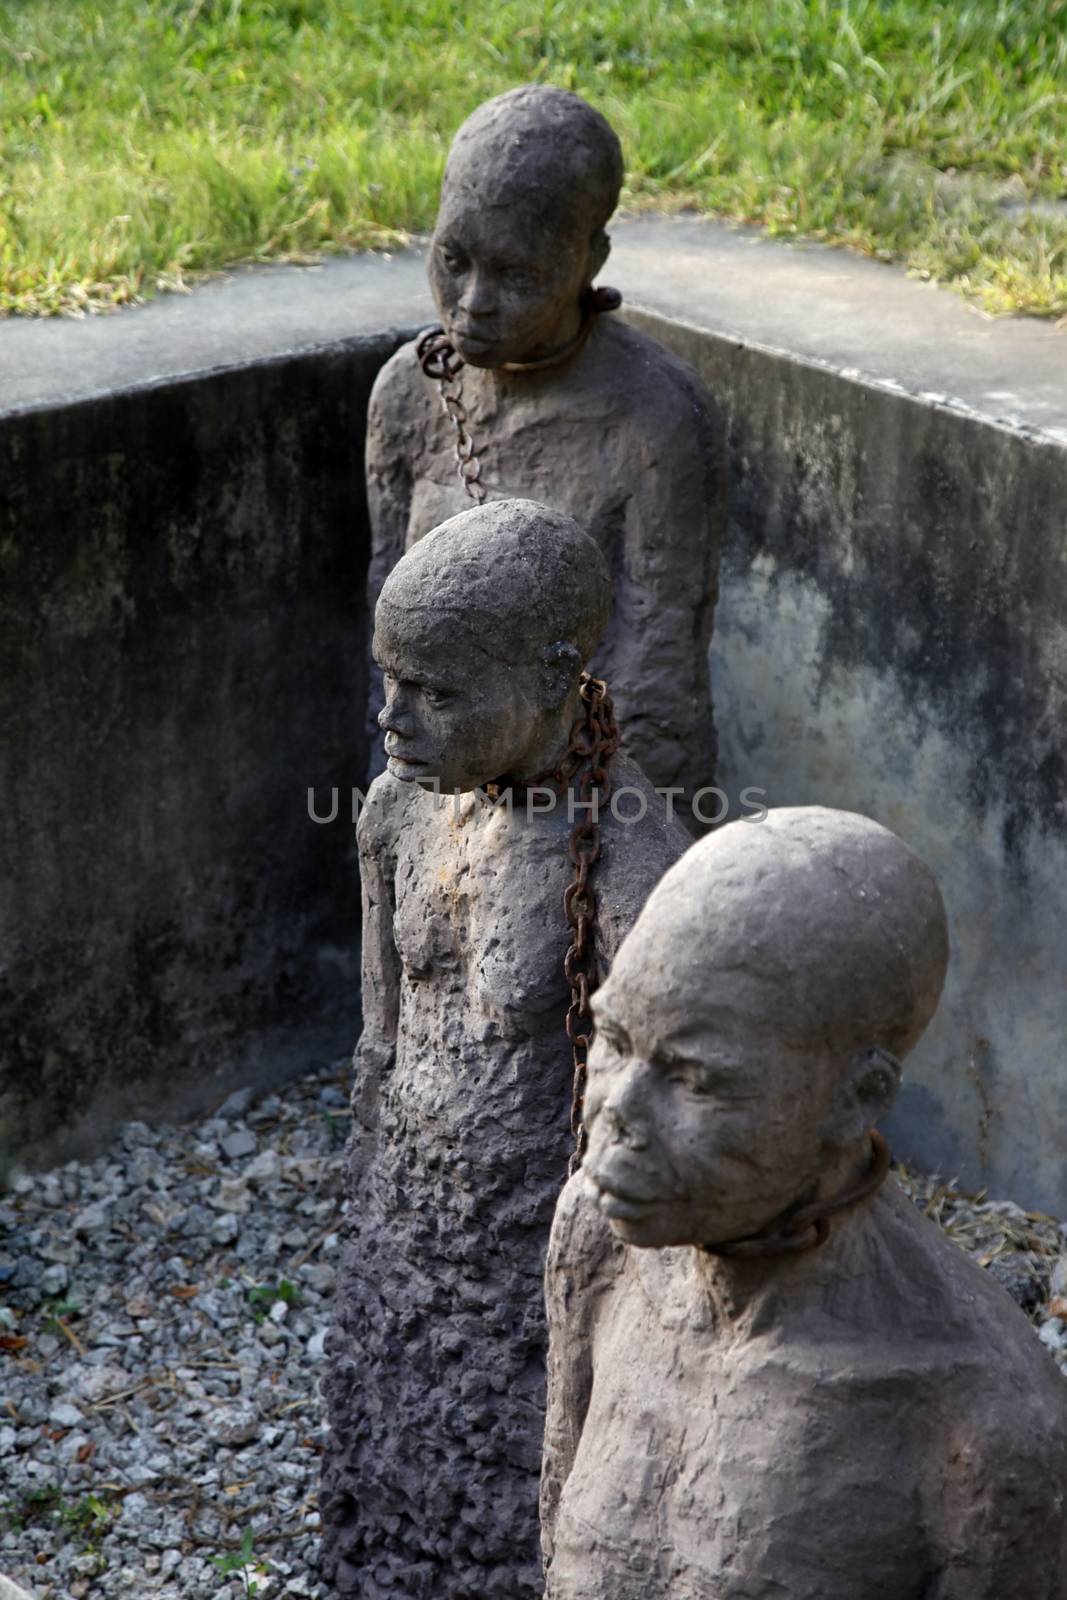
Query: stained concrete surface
x=890, y=639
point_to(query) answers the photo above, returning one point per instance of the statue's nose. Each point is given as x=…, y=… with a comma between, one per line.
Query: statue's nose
x=624, y=1126
x=394, y=717
x=478, y=298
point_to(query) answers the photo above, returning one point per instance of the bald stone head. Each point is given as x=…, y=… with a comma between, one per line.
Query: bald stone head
x=751, y=1027
x=532, y=178
x=482, y=630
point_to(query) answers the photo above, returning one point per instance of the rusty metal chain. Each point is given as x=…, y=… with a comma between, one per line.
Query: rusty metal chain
x=442, y=363
x=594, y=741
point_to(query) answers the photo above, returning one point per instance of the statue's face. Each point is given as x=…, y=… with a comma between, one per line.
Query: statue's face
x=507, y=284
x=703, y=1123
x=451, y=712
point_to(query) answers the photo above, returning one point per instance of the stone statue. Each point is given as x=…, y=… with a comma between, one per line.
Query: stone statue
x=567, y=406
x=769, y=1375
x=463, y=1073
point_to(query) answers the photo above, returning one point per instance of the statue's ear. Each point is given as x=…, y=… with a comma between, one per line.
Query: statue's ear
x=560, y=666
x=865, y=1093
x=599, y=251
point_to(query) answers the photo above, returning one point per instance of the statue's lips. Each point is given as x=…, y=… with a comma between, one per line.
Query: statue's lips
x=408, y=766
x=619, y=1203
x=470, y=336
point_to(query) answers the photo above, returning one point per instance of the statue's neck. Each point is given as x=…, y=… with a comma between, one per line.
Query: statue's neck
x=763, y=1288
x=539, y=368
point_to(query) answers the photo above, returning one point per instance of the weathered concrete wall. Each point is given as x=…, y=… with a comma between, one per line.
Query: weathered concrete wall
x=181, y=656
x=892, y=638
x=181, y=648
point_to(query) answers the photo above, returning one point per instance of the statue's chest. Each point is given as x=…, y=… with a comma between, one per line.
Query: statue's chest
x=479, y=922
x=707, y=1472
x=529, y=452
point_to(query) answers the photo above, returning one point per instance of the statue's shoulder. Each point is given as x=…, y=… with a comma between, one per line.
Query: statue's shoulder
x=401, y=383
x=384, y=813
x=652, y=382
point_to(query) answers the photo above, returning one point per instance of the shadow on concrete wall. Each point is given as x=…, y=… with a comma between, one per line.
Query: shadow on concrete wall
x=181, y=657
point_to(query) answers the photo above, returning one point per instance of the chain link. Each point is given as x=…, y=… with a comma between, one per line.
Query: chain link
x=593, y=743
x=442, y=364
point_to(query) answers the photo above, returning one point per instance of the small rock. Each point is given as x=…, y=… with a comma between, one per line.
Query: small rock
x=94, y=1218
x=235, y=1425
x=224, y=1229
x=316, y=1345
x=95, y=1383
x=263, y=1168
x=1052, y=1335
x=1058, y=1285
x=232, y=1194
x=65, y=1415
x=55, y=1279
x=319, y=1276
x=236, y=1105
x=240, y=1143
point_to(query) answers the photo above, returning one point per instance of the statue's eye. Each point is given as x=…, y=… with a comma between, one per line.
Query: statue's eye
x=452, y=260
x=687, y=1075
x=437, y=697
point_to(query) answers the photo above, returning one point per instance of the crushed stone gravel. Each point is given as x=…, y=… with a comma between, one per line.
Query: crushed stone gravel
x=162, y=1316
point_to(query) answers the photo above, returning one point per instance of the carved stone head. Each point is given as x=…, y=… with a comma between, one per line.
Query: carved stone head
x=481, y=632
x=532, y=178
x=751, y=1027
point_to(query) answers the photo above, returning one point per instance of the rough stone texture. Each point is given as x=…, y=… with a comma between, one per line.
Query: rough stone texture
x=618, y=434
x=181, y=651
x=872, y=1417
x=462, y=1076
x=889, y=638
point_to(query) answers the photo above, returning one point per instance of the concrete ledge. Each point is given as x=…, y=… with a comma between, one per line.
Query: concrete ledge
x=890, y=638
x=830, y=307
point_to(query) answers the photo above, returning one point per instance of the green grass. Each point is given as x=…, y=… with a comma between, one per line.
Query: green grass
x=145, y=141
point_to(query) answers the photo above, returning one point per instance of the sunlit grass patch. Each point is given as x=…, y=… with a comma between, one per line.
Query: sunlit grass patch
x=148, y=141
